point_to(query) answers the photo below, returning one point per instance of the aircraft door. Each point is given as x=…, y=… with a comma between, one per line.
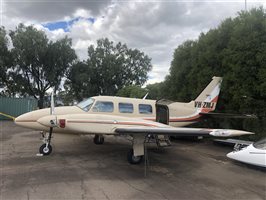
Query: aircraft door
x=162, y=114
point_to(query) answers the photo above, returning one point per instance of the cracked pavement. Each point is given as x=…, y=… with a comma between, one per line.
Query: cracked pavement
x=79, y=169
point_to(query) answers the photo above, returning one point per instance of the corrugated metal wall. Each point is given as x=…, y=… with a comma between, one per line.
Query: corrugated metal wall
x=16, y=106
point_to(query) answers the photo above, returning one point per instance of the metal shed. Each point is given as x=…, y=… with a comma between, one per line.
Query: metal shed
x=16, y=106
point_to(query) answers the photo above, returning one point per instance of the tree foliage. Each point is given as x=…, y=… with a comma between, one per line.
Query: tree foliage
x=5, y=56
x=109, y=68
x=132, y=91
x=38, y=64
x=236, y=50
x=155, y=91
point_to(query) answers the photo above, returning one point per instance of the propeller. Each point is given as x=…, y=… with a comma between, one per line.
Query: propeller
x=52, y=121
x=52, y=103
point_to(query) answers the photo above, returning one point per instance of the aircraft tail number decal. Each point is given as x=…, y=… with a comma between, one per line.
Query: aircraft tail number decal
x=200, y=104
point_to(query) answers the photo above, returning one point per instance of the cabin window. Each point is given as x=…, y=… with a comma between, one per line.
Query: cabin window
x=86, y=104
x=145, y=109
x=103, y=106
x=125, y=107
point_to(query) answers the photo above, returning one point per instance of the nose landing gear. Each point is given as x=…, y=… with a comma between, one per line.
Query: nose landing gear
x=46, y=148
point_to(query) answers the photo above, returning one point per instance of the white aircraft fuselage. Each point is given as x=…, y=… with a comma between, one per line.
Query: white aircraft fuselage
x=183, y=116
x=106, y=115
x=128, y=109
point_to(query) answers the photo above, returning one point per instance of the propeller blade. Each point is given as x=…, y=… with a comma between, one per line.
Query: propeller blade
x=52, y=103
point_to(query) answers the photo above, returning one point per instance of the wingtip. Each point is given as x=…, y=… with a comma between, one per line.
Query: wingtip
x=229, y=133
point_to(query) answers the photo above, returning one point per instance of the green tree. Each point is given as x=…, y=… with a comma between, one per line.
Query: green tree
x=132, y=91
x=109, y=68
x=79, y=81
x=235, y=50
x=156, y=91
x=39, y=64
x=5, y=58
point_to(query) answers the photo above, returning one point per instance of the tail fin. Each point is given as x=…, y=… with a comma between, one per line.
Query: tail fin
x=208, y=98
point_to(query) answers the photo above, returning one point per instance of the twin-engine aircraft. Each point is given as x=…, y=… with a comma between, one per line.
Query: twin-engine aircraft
x=139, y=118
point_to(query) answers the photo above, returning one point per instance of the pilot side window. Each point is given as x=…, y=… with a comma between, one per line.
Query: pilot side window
x=125, y=107
x=145, y=109
x=103, y=106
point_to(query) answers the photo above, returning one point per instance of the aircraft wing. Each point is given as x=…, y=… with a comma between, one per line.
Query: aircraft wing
x=228, y=115
x=181, y=131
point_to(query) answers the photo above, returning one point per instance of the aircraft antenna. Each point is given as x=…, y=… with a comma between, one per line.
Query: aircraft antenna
x=145, y=95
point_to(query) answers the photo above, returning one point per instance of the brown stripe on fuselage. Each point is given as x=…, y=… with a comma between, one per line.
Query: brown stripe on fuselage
x=114, y=122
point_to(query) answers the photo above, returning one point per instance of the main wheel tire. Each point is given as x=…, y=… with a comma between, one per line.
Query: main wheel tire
x=98, y=139
x=45, y=150
x=133, y=159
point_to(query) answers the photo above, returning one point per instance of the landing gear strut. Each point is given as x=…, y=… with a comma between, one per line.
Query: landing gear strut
x=98, y=139
x=46, y=148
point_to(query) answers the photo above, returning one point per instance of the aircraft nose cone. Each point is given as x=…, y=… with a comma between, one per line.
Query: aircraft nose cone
x=21, y=119
x=16, y=120
x=24, y=120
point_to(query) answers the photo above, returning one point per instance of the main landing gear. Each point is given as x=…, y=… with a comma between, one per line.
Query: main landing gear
x=133, y=159
x=98, y=139
x=46, y=148
x=136, y=154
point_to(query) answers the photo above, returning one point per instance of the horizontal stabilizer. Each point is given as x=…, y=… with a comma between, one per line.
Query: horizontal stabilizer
x=228, y=115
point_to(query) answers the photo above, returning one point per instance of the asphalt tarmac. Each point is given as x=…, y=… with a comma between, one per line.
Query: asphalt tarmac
x=79, y=169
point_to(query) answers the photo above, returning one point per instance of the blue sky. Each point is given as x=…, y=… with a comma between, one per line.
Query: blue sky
x=65, y=25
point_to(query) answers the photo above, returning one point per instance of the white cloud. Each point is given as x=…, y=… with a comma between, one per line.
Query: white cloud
x=82, y=13
x=155, y=27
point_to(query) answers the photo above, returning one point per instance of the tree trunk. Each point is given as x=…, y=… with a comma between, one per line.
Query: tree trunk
x=41, y=101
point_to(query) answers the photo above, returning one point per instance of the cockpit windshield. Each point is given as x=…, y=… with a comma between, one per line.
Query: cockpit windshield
x=261, y=144
x=86, y=104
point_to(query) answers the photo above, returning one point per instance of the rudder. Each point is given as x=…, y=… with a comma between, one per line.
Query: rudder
x=208, y=98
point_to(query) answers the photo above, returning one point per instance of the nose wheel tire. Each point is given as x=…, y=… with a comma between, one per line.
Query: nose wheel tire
x=133, y=159
x=98, y=139
x=45, y=150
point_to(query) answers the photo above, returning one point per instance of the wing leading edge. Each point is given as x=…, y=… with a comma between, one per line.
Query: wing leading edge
x=181, y=131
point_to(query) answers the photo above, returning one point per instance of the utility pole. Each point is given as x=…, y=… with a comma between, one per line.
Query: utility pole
x=245, y=5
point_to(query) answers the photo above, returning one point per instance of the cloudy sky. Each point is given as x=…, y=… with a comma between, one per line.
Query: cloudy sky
x=156, y=27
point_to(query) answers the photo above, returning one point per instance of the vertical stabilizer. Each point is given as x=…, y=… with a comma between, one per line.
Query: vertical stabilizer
x=208, y=98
